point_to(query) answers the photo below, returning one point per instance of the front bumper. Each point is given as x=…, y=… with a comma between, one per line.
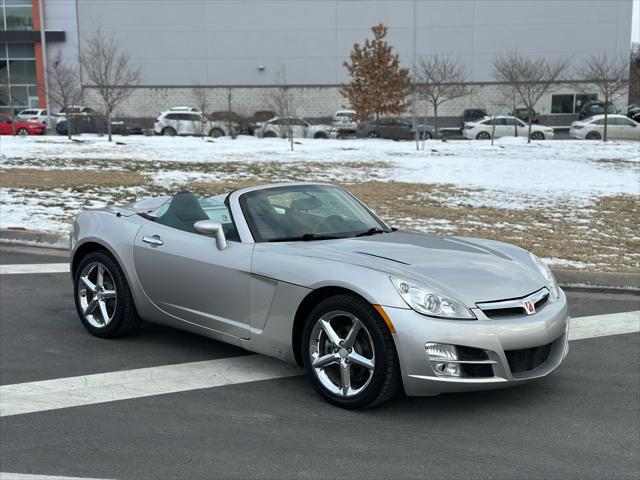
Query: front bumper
x=548, y=326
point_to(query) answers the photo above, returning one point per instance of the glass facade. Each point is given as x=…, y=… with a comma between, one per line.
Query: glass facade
x=18, y=86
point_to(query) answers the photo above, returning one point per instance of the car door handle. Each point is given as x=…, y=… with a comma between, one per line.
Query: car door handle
x=154, y=241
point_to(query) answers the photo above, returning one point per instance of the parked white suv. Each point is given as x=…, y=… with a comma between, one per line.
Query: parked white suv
x=344, y=124
x=188, y=121
x=36, y=115
x=505, y=126
x=277, y=127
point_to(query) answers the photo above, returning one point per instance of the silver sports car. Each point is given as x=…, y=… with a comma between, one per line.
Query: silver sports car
x=308, y=274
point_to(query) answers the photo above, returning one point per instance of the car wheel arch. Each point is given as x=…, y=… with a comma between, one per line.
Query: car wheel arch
x=305, y=307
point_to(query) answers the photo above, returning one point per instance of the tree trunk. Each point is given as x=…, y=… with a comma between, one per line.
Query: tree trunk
x=109, y=125
x=435, y=121
x=606, y=120
x=529, y=110
x=493, y=128
x=69, y=126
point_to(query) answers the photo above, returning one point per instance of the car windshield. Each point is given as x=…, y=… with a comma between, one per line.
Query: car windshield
x=307, y=212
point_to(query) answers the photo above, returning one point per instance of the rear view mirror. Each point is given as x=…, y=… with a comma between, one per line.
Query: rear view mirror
x=212, y=229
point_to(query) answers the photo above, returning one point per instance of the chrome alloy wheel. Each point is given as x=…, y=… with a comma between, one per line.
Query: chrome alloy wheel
x=97, y=295
x=342, y=353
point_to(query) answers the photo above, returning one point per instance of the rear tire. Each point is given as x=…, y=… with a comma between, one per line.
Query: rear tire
x=105, y=305
x=372, y=135
x=23, y=131
x=269, y=134
x=168, y=132
x=321, y=135
x=216, y=132
x=368, y=361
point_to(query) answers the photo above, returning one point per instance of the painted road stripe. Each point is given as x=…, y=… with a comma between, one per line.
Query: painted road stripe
x=23, y=476
x=143, y=382
x=34, y=268
x=603, y=325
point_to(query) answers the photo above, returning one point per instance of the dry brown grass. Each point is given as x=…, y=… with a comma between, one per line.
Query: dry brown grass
x=50, y=179
x=606, y=236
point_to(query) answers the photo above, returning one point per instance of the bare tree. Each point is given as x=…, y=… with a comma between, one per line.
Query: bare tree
x=440, y=79
x=110, y=70
x=284, y=102
x=202, y=100
x=64, y=86
x=610, y=75
x=531, y=77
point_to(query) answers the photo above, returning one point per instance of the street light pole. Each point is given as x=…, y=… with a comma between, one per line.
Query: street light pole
x=43, y=44
x=413, y=80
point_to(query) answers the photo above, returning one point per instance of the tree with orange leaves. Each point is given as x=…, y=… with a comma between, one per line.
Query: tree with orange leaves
x=378, y=84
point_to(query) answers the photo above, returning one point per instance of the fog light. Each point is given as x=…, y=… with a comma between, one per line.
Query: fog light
x=443, y=359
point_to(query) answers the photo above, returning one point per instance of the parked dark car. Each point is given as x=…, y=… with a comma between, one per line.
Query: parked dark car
x=472, y=115
x=256, y=120
x=96, y=124
x=523, y=114
x=596, y=107
x=395, y=128
x=633, y=112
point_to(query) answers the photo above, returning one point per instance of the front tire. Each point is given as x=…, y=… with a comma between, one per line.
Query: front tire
x=168, y=132
x=483, y=136
x=103, y=299
x=593, y=136
x=537, y=136
x=372, y=135
x=23, y=131
x=349, y=354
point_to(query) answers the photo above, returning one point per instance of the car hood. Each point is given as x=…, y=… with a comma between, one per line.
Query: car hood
x=470, y=270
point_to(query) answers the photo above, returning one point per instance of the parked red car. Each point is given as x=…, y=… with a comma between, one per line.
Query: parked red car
x=9, y=126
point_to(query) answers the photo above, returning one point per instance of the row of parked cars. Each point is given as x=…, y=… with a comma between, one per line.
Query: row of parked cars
x=475, y=124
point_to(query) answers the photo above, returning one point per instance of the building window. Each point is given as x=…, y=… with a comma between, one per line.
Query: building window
x=562, y=103
x=570, y=102
x=16, y=15
x=18, y=86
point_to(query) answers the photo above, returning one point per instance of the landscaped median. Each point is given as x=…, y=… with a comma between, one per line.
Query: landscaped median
x=573, y=203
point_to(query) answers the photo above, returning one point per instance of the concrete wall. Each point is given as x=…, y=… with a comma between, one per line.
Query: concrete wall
x=224, y=42
x=324, y=101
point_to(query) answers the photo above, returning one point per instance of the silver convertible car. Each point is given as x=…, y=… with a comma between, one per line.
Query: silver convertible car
x=308, y=274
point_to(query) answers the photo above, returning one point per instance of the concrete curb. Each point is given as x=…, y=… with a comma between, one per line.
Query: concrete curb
x=32, y=238
x=568, y=279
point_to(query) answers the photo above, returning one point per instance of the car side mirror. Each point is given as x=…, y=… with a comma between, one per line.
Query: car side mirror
x=212, y=229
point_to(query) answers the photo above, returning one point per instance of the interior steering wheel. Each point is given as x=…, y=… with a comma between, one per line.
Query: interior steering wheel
x=327, y=220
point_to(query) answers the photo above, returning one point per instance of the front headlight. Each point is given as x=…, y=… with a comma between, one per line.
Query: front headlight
x=547, y=274
x=425, y=301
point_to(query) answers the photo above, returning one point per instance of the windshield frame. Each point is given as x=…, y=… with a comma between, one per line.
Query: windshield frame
x=254, y=231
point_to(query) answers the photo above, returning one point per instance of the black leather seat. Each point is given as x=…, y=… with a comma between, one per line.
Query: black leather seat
x=183, y=212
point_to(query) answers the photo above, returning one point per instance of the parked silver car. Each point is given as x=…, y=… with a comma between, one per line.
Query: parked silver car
x=308, y=274
x=188, y=121
x=278, y=127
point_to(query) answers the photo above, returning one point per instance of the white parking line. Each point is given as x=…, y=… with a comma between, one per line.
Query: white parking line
x=34, y=268
x=23, y=476
x=143, y=382
x=603, y=325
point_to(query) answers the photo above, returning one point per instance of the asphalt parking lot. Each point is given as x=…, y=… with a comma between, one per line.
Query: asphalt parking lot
x=583, y=421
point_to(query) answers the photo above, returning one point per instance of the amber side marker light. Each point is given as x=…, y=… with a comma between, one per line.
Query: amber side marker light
x=385, y=317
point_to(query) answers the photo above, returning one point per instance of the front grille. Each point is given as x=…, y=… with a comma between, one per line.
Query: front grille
x=513, y=307
x=528, y=358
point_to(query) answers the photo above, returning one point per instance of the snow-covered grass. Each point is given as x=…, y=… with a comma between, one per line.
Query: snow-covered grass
x=559, y=195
